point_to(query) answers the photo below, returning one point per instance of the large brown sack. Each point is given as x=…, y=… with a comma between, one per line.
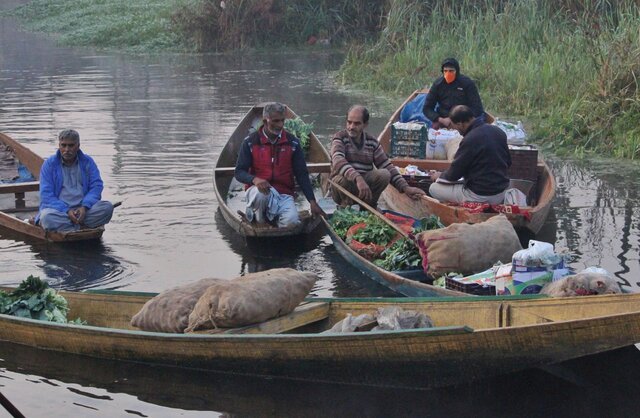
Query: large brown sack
x=169, y=311
x=468, y=249
x=252, y=298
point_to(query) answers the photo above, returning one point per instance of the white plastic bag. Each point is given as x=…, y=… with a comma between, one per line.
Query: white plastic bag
x=515, y=133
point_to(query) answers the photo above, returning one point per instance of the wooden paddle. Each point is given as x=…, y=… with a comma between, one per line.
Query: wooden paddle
x=370, y=209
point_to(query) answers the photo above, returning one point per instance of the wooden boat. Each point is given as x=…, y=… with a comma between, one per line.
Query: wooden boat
x=473, y=338
x=229, y=191
x=26, y=200
x=532, y=221
x=406, y=283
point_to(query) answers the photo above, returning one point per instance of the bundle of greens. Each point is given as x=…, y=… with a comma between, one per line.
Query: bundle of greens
x=404, y=254
x=36, y=300
x=300, y=129
x=344, y=218
x=375, y=232
x=428, y=223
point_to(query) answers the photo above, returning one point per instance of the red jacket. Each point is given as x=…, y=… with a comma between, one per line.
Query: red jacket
x=273, y=162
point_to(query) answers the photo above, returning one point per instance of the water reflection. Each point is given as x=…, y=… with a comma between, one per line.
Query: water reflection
x=572, y=389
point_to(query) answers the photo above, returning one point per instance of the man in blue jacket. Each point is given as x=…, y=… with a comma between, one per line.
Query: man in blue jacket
x=71, y=189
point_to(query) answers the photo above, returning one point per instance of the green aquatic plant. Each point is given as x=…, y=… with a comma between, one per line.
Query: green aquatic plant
x=34, y=299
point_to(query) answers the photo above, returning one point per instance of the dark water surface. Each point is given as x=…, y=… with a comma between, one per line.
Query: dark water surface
x=156, y=126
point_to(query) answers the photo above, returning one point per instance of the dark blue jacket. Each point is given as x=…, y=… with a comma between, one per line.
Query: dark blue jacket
x=462, y=91
x=51, y=179
x=482, y=159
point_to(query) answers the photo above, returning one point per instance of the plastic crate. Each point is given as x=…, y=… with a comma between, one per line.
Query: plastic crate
x=471, y=288
x=409, y=142
x=524, y=163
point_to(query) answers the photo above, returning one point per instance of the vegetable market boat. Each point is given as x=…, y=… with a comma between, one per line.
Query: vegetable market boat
x=473, y=337
x=21, y=168
x=229, y=191
x=530, y=218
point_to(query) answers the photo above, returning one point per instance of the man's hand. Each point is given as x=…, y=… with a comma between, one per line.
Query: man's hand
x=434, y=175
x=262, y=185
x=77, y=215
x=414, y=192
x=364, y=191
x=316, y=210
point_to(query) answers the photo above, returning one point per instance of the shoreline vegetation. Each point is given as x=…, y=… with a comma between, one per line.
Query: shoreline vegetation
x=569, y=67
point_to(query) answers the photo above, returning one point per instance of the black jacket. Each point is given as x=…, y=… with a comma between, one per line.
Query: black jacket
x=462, y=91
x=482, y=159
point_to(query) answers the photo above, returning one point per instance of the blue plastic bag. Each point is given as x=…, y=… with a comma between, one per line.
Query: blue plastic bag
x=412, y=111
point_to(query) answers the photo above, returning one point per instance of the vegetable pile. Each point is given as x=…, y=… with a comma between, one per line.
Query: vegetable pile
x=401, y=254
x=300, y=129
x=36, y=300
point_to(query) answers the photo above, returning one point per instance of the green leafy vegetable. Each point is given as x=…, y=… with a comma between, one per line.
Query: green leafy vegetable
x=36, y=300
x=344, y=218
x=402, y=255
x=376, y=232
x=428, y=223
x=300, y=129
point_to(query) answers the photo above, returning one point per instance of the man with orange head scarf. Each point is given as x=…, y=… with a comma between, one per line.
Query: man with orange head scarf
x=450, y=90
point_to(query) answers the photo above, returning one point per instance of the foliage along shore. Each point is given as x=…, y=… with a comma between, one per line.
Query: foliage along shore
x=569, y=67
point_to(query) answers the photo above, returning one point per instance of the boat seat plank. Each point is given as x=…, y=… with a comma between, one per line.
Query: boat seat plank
x=312, y=167
x=27, y=186
x=305, y=314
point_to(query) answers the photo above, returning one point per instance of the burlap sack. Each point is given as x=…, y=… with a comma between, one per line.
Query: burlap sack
x=468, y=249
x=169, y=311
x=255, y=297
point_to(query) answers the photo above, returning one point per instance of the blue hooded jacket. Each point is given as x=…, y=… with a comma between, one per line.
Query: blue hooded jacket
x=51, y=179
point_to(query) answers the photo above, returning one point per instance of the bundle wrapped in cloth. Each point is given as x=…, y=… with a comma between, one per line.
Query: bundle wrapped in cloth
x=468, y=249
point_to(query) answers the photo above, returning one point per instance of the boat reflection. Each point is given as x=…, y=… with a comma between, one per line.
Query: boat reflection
x=572, y=389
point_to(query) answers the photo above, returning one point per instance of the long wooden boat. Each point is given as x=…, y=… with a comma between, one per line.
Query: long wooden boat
x=405, y=283
x=473, y=337
x=228, y=190
x=25, y=201
x=532, y=220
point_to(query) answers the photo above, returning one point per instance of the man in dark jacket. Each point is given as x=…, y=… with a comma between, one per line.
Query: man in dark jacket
x=482, y=160
x=268, y=161
x=449, y=90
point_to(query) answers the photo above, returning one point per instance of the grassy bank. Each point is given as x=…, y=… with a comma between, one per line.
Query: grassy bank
x=203, y=25
x=570, y=67
x=118, y=24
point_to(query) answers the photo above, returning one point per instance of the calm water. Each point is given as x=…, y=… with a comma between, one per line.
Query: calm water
x=156, y=126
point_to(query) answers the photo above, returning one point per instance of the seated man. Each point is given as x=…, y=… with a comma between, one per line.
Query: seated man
x=268, y=161
x=359, y=164
x=449, y=90
x=482, y=160
x=71, y=189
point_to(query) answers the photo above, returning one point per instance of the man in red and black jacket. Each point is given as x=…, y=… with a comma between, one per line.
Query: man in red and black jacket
x=268, y=162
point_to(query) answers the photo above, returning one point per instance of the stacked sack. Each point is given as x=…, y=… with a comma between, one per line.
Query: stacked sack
x=213, y=303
